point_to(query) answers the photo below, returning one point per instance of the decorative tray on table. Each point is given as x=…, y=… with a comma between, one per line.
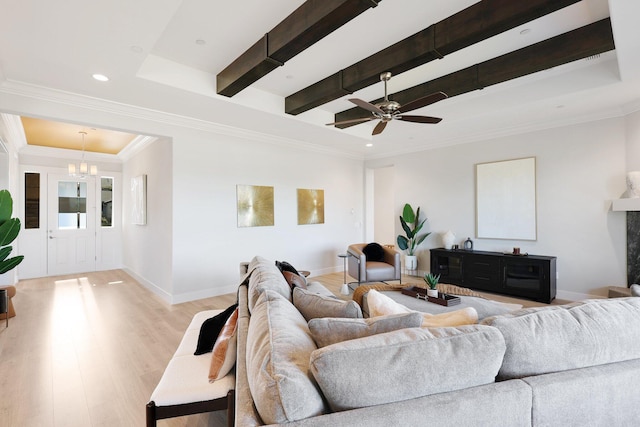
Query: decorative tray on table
x=421, y=293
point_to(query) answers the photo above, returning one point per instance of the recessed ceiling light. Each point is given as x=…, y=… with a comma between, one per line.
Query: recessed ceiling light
x=525, y=31
x=100, y=77
x=201, y=41
x=369, y=145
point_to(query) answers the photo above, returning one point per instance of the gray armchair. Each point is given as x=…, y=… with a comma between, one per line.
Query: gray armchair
x=388, y=268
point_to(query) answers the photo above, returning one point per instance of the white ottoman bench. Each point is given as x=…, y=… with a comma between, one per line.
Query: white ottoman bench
x=184, y=388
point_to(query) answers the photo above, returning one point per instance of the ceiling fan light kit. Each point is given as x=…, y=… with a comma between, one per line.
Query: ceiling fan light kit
x=388, y=110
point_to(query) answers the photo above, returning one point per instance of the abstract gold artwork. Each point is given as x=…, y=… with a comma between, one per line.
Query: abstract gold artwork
x=310, y=206
x=255, y=205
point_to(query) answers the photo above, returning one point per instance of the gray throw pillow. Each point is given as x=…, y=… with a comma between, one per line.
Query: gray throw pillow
x=406, y=364
x=313, y=305
x=330, y=330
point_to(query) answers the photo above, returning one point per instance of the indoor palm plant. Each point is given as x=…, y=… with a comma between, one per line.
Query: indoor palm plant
x=9, y=229
x=411, y=224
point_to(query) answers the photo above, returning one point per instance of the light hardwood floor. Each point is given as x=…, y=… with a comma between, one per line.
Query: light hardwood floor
x=87, y=350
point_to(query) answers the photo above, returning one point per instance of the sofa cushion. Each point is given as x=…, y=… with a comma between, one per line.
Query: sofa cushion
x=330, y=330
x=557, y=338
x=381, y=305
x=277, y=351
x=406, y=364
x=265, y=275
x=313, y=305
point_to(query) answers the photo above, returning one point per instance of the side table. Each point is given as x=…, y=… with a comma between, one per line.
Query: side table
x=344, y=290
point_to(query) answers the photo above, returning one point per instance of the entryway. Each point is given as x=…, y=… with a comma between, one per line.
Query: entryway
x=71, y=225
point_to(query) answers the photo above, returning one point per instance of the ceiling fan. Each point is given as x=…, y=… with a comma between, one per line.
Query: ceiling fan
x=387, y=110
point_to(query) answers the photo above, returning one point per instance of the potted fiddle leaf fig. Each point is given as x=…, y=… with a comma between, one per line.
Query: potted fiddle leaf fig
x=9, y=229
x=411, y=224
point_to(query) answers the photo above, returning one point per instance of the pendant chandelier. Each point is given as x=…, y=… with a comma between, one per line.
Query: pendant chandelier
x=83, y=169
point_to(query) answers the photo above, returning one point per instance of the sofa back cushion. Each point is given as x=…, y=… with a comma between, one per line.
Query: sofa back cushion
x=406, y=364
x=557, y=338
x=278, y=348
x=266, y=276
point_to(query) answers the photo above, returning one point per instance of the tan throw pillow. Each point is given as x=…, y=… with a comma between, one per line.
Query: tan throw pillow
x=223, y=356
x=313, y=305
x=294, y=280
x=330, y=330
x=381, y=305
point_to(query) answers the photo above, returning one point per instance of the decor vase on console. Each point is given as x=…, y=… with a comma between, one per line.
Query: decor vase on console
x=447, y=239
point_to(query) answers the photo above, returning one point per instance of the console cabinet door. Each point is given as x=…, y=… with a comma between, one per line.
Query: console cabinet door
x=448, y=265
x=482, y=272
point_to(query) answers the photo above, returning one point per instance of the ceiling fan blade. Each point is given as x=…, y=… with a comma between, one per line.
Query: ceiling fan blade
x=420, y=119
x=423, y=102
x=366, y=105
x=344, y=122
x=379, y=128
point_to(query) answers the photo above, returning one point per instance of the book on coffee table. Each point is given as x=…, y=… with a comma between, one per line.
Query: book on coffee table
x=421, y=293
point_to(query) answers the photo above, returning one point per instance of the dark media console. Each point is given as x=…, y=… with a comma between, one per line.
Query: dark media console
x=524, y=276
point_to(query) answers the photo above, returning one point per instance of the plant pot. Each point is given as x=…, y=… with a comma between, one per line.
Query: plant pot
x=432, y=293
x=410, y=262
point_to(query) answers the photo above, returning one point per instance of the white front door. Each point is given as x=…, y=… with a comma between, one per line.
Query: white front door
x=71, y=217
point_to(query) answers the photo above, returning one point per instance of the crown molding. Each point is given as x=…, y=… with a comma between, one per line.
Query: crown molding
x=15, y=131
x=612, y=113
x=45, y=94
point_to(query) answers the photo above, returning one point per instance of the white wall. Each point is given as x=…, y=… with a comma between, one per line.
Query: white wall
x=384, y=205
x=147, y=249
x=8, y=181
x=579, y=170
x=633, y=142
x=209, y=246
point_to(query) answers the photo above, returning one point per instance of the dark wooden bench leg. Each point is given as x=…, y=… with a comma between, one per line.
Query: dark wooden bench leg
x=151, y=414
x=231, y=408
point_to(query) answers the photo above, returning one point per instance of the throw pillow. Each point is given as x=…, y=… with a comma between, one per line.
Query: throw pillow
x=285, y=266
x=381, y=305
x=312, y=305
x=294, y=280
x=328, y=330
x=373, y=252
x=210, y=330
x=397, y=366
x=223, y=356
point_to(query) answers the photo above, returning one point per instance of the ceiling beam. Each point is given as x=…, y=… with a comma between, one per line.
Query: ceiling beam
x=309, y=23
x=465, y=28
x=581, y=43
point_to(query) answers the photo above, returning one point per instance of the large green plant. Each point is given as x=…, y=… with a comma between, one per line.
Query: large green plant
x=9, y=229
x=411, y=225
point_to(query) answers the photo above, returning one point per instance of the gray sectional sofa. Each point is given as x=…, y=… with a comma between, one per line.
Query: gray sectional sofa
x=577, y=364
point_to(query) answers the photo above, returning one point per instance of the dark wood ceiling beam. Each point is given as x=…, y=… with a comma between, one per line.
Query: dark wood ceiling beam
x=581, y=43
x=465, y=28
x=311, y=22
